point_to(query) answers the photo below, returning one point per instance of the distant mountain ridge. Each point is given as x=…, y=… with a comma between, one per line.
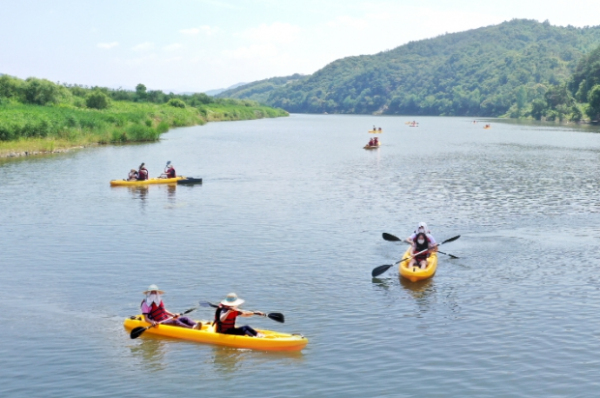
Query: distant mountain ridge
x=260, y=90
x=220, y=90
x=480, y=72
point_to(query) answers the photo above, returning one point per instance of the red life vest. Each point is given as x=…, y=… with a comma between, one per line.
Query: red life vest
x=228, y=323
x=143, y=174
x=170, y=172
x=157, y=312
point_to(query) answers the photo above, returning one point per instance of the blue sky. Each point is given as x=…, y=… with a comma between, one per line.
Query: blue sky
x=198, y=45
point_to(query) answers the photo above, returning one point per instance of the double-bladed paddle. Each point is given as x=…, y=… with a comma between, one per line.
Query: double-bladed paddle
x=276, y=316
x=392, y=238
x=137, y=332
x=382, y=268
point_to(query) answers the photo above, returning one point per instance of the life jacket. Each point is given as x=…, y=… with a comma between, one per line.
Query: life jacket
x=157, y=312
x=420, y=247
x=170, y=172
x=228, y=323
x=143, y=174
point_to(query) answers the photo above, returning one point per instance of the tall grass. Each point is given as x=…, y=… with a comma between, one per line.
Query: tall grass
x=53, y=126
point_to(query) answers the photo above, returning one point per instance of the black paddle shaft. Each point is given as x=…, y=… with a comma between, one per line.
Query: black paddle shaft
x=276, y=316
x=137, y=332
x=393, y=238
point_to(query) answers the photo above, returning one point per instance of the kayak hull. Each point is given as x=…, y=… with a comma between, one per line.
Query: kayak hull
x=371, y=146
x=123, y=183
x=415, y=274
x=273, y=341
x=375, y=131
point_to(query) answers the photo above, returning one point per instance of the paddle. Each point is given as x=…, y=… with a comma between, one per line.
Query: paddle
x=392, y=238
x=382, y=268
x=276, y=316
x=137, y=332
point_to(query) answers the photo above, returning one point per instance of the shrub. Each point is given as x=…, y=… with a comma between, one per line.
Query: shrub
x=97, y=100
x=176, y=103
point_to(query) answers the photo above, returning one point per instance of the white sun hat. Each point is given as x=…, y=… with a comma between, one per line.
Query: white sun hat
x=154, y=288
x=422, y=225
x=232, y=300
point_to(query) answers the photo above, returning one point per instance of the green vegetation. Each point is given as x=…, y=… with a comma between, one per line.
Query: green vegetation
x=505, y=69
x=260, y=90
x=37, y=115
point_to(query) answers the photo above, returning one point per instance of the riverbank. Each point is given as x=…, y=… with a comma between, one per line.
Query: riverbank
x=27, y=130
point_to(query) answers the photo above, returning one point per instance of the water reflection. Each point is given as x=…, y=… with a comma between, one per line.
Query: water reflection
x=422, y=291
x=229, y=361
x=151, y=353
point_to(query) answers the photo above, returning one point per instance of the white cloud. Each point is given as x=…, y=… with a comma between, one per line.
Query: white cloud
x=205, y=29
x=173, y=47
x=146, y=46
x=277, y=32
x=107, y=46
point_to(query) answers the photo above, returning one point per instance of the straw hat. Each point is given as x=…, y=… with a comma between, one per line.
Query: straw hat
x=154, y=288
x=232, y=300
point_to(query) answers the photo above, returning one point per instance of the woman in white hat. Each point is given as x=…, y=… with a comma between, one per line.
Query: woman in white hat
x=227, y=313
x=155, y=312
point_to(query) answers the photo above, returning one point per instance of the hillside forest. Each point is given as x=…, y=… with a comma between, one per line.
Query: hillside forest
x=520, y=68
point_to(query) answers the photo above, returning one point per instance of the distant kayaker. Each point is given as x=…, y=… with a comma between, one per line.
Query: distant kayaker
x=376, y=141
x=169, y=171
x=371, y=142
x=227, y=313
x=133, y=175
x=379, y=129
x=142, y=172
x=154, y=311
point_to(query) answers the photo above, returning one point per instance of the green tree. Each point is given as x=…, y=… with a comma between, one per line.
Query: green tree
x=140, y=91
x=176, y=102
x=97, y=100
x=41, y=91
x=538, y=108
x=593, y=110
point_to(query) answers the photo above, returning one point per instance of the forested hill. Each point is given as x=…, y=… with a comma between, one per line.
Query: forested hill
x=478, y=72
x=260, y=90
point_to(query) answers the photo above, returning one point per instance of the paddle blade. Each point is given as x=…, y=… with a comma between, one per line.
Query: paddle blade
x=390, y=237
x=276, y=316
x=451, y=239
x=137, y=332
x=380, y=270
x=207, y=304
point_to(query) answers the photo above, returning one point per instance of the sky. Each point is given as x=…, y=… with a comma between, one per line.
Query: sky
x=199, y=45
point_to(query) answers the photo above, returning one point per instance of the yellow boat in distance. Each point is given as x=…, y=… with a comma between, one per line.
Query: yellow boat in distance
x=123, y=183
x=376, y=131
x=372, y=146
x=415, y=274
x=272, y=341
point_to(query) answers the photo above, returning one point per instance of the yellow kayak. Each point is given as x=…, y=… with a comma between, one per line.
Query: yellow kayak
x=375, y=131
x=121, y=183
x=273, y=341
x=372, y=146
x=415, y=273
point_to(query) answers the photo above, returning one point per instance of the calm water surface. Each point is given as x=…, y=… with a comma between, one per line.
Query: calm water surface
x=290, y=217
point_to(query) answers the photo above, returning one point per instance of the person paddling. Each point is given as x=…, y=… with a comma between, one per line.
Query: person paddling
x=421, y=239
x=142, y=172
x=376, y=141
x=133, y=175
x=169, y=171
x=227, y=313
x=371, y=142
x=155, y=312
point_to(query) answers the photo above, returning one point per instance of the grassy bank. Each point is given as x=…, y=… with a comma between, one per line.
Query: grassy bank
x=46, y=129
x=39, y=116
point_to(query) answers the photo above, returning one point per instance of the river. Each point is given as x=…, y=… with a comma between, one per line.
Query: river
x=290, y=217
